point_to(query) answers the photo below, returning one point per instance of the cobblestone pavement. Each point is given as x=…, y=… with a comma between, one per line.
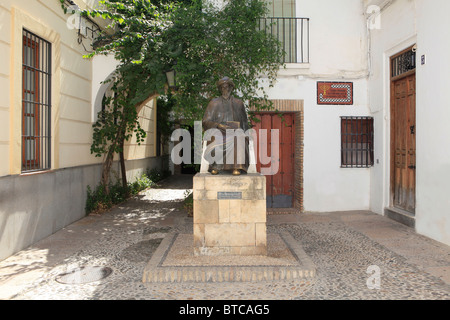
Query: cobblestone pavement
x=349, y=249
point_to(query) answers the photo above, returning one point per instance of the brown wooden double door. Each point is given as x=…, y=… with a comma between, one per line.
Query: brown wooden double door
x=280, y=185
x=403, y=143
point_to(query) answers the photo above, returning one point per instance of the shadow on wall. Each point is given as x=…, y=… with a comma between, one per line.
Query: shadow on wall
x=36, y=206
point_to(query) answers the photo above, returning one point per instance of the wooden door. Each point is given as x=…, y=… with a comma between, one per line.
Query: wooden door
x=403, y=143
x=280, y=186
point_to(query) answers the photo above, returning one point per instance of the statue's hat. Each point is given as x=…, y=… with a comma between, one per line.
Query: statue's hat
x=225, y=80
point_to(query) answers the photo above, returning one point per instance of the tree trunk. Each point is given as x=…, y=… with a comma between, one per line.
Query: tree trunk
x=122, y=167
x=107, y=164
x=107, y=169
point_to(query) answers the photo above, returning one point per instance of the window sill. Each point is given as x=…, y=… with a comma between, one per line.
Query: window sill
x=294, y=69
x=298, y=65
x=32, y=173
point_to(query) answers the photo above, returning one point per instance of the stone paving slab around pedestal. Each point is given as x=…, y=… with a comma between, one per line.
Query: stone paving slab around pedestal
x=175, y=261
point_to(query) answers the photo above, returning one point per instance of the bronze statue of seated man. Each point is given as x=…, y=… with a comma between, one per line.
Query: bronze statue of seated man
x=227, y=113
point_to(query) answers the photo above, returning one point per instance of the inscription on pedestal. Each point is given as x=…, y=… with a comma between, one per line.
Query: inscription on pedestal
x=229, y=195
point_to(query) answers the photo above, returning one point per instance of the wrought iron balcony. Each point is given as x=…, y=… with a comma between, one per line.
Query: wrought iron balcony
x=293, y=33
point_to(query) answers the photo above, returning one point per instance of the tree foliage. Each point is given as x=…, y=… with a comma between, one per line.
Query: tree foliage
x=201, y=43
x=209, y=44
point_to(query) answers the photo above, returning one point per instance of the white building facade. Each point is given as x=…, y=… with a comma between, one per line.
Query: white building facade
x=391, y=53
x=49, y=98
x=364, y=84
x=416, y=25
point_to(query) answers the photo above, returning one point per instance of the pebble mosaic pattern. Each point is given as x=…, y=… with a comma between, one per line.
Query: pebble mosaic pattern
x=341, y=255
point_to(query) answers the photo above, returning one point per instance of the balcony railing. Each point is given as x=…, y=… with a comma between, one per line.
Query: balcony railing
x=293, y=33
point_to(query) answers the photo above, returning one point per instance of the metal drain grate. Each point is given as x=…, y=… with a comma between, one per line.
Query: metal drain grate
x=84, y=275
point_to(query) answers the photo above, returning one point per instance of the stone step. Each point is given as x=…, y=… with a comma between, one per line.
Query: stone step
x=174, y=261
x=401, y=216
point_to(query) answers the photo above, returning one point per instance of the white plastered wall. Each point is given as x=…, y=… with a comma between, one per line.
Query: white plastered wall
x=433, y=118
x=338, y=46
x=403, y=24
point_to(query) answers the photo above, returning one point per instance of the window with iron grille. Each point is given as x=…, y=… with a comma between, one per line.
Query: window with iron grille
x=36, y=103
x=281, y=8
x=357, y=142
x=403, y=63
x=292, y=32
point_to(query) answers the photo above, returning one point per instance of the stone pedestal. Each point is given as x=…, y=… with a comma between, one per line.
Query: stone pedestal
x=230, y=214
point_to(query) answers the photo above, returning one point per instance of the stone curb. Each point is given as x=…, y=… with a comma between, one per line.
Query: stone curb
x=155, y=272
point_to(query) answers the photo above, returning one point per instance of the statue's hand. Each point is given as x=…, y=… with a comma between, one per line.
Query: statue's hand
x=222, y=127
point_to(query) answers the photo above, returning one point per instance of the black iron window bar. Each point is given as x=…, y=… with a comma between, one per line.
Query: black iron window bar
x=36, y=103
x=403, y=63
x=292, y=33
x=357, y=145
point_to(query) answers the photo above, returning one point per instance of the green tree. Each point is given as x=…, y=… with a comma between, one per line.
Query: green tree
x=202, y=44
x=208, y=44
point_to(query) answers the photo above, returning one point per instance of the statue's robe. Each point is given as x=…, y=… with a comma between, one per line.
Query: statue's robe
x=230, y=112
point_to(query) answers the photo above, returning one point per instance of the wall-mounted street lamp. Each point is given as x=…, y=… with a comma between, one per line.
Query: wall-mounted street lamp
x=171, y=79
x=87, y=28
